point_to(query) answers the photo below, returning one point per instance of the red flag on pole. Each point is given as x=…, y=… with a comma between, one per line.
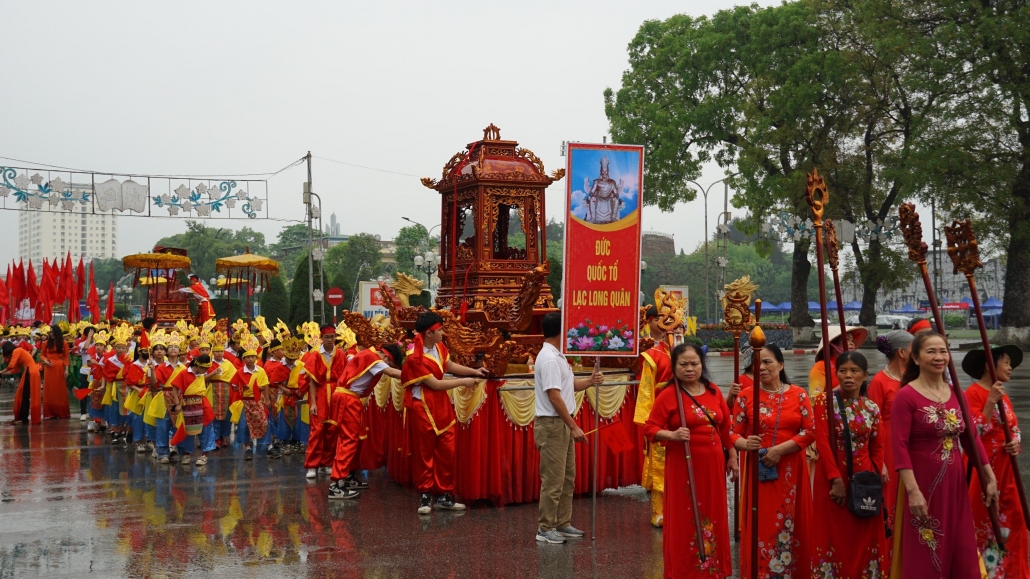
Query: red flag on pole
x=68, y=282
x=18, y=287
x=32, y=286
x=110, y=303
x=81, y=280
x=5, y=299
x=93, y=301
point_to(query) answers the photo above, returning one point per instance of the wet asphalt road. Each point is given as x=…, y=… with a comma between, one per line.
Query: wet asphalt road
x=74, y=506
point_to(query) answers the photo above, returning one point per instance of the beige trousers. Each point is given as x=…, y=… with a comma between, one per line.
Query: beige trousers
x=557, y=471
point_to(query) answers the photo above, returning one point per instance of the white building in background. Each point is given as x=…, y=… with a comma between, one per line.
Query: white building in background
x=53, y=234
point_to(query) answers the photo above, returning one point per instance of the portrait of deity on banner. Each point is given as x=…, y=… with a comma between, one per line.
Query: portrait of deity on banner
x=611, y=185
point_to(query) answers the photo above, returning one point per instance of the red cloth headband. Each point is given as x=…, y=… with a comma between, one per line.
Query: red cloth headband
x=433, y=328
x=920, y=326
x=329, y=332
x=390, y=356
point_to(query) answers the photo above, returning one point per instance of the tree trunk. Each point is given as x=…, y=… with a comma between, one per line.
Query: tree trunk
x=1015, y=312
x=800, y=270
x=871, y=280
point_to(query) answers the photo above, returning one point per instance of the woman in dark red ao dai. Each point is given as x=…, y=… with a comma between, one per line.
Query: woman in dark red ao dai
x=707, y=429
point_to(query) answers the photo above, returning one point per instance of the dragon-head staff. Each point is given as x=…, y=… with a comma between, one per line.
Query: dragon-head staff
x=912, y=230
x=832, y=245
x=963, y=248
x=817, y=196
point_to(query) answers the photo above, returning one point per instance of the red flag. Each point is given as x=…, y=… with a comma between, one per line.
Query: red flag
x=616, y=438
x=31, y=286
x=5, y=299
x=110, y=303
x=93, y=301
x=68, y=283
x=180, y=430
x=82, y=393
x=81, y=283
x=18, y=287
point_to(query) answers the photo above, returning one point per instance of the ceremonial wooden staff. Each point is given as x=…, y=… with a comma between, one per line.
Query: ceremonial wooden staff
x=737, y=318
x=913, y=233
x=817, y=197
x=757, y=343
x=965, y=255
x=830, y=233
x=690, y=477
x=597, y=452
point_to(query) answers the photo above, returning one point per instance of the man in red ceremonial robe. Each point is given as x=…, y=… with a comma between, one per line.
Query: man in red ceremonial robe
x=655, y=373
x=432, y=414
x=325, y=368
x=360, y=377
x=204, y=309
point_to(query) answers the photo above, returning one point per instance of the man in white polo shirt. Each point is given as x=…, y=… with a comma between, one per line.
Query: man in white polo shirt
x=556, y=433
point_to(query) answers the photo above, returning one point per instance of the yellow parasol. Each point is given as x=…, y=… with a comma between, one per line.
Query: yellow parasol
x=152, y=280
x=223, y=281
x=155, y=261
x=246, y=268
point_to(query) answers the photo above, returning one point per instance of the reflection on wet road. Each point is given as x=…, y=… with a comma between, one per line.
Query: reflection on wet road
x=72, y=504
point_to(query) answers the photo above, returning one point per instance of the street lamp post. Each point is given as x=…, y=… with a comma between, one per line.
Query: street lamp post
x=428, y=231
x=427, y=264
x=704, y=192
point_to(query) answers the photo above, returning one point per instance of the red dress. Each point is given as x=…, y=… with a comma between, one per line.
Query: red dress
x=1016, y=561
x=844, y=545
x=55, y=384
x=926, y=440
x=679, y=537
x=26, y=397
x=882, y=390
x=785, y=504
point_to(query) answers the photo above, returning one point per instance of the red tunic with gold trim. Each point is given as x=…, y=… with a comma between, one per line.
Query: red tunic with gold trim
x=321, y=376
x=437, y=403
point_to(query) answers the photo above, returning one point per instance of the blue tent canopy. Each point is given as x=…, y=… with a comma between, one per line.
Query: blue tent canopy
x=768, y=308
x=853, y=307
x=992, y=303
x=906, y=309
x=785, y=306
x=991, y=313
x=832, y=306
x=813, y=306
x=967, y=300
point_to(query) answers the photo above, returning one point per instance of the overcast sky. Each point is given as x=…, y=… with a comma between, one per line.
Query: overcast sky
x=249, y=87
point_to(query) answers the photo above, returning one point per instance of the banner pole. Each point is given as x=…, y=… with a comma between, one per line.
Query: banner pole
x=597, y=453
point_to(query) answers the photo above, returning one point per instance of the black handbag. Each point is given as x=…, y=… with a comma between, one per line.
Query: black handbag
x=865, y=492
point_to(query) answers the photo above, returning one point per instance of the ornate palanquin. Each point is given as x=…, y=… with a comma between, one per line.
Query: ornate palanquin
x=493, y=243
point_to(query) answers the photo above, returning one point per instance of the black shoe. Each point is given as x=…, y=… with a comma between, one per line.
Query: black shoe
x=352, y=482
x=338, y=493
x=274, y=452
x=446, y=503
x=248, y=454
x=425, y=505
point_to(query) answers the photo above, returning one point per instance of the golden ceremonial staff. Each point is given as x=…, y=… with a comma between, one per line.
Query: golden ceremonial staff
x=830, y=233
x=965, y=255
x=912, y=230
x=817, y=196
x=757, y=343
x=737, y=318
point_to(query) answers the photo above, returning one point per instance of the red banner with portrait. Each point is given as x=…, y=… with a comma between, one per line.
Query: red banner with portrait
x=601, y=278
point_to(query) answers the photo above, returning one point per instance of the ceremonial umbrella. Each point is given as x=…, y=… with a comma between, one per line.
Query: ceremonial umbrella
x=145, y=265
x=243, y=269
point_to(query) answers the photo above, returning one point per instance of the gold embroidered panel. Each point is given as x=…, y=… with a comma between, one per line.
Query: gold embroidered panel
x=467, y=401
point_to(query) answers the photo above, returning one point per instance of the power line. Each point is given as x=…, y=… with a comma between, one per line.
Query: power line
x=267, y=175
x=366, y=167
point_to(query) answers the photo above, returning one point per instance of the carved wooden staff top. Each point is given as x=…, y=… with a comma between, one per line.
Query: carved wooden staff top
x=912, y=230
x=962, y=247
x=832, y=246
x=817, y=196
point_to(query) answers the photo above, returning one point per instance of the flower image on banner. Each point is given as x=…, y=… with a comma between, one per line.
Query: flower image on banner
x=601, y=281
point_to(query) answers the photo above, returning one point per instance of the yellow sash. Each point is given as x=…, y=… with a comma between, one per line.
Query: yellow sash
x=157, y=408
x=108, y=394
x=197, y=387
x=257, y=380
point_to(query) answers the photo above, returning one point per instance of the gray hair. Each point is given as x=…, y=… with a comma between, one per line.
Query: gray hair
x=889, y=343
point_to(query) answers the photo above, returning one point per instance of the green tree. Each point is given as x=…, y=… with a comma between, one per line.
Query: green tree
x=979, y=162
x=205, y=244
x=766, y=92
x=299, y=294
x=356, y=259
x=413, y=240
x=288, y=241
x=275, y=303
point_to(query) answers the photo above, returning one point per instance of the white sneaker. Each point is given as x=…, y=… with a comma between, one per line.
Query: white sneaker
x=84, y=418
x=186, y=459
x=91, y=427
x=202, y=460
x=324, y=470
x=312, y=473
